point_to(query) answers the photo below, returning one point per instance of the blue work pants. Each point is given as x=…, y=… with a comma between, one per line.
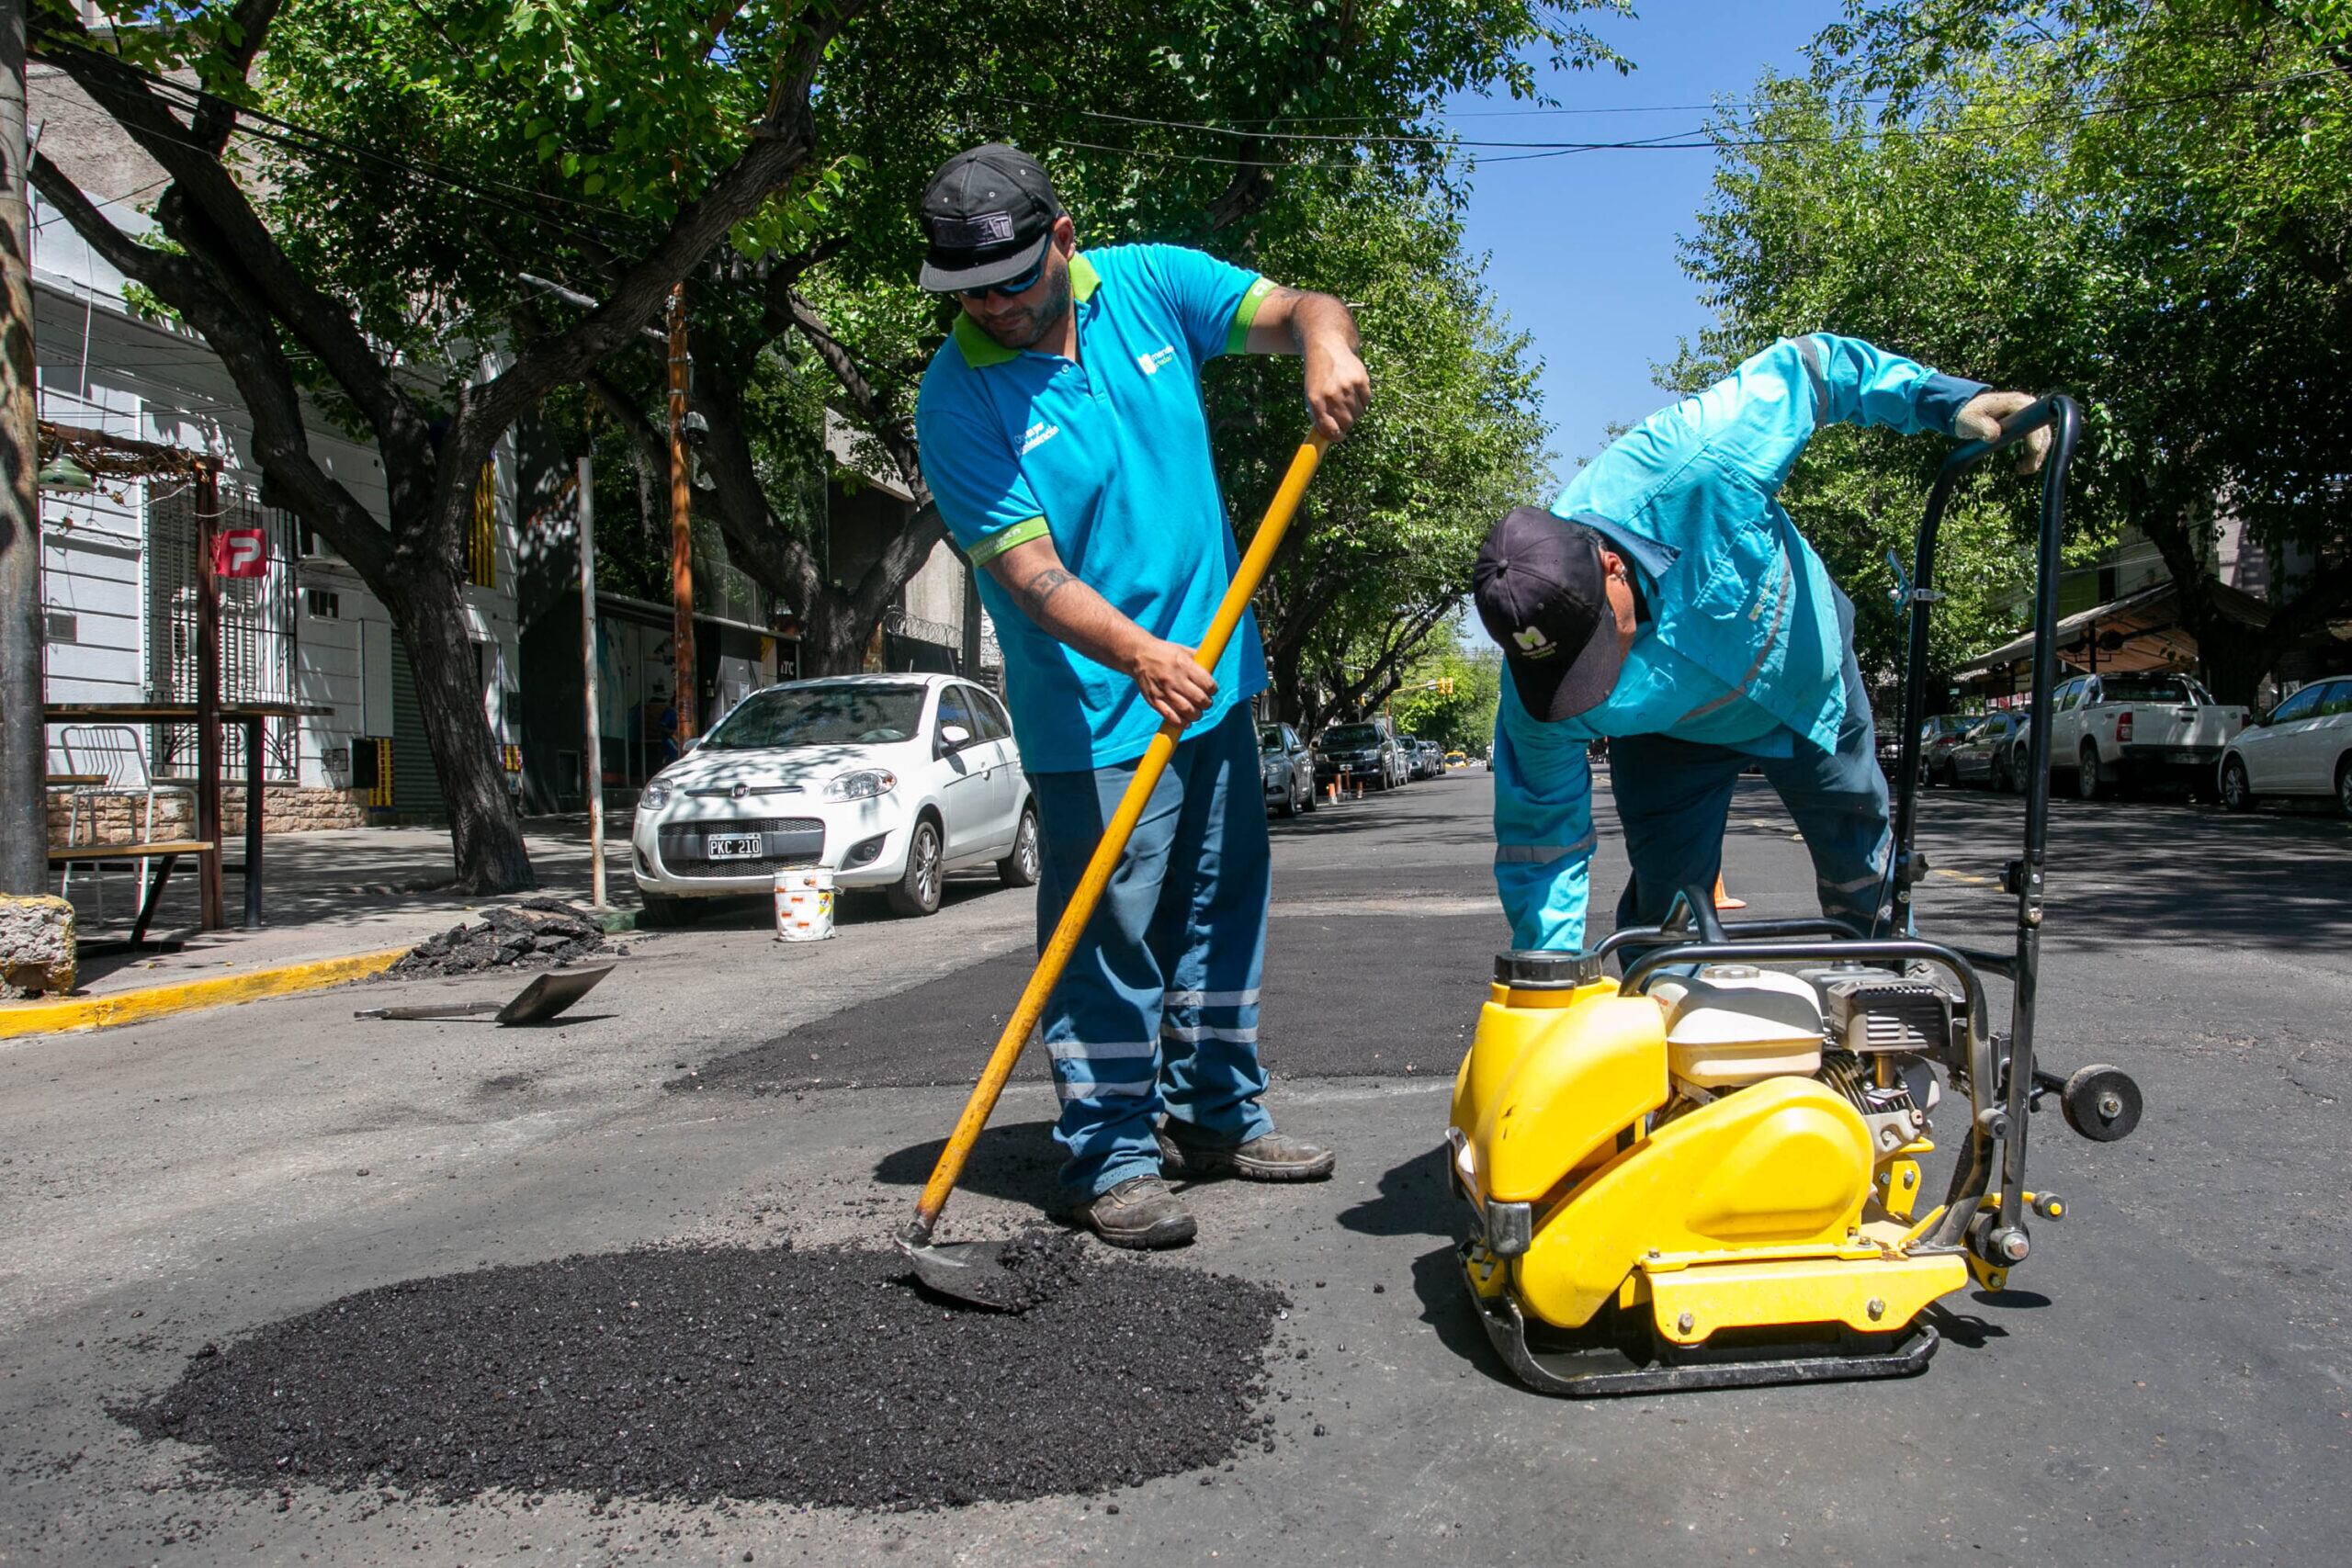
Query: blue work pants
x=1674, y=799
x=1158, y=1010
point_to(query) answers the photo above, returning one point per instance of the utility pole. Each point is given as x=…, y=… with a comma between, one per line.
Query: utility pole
x=684, y=680
x=23, y=738
x=593, y=767
x=210, y=916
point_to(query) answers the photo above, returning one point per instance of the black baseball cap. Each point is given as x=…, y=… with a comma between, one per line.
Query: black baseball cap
x=988, y=215
x=1544, y=596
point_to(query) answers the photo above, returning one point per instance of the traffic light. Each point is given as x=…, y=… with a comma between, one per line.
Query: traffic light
x=1445, y=685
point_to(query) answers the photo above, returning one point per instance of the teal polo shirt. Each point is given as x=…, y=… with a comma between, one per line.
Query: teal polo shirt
x=1109, y=456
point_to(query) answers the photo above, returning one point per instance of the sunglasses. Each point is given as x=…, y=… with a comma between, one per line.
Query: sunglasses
x=1011, y=286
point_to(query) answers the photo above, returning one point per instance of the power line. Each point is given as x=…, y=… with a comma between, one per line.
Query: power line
x=1679, y=140
x=1698, y=138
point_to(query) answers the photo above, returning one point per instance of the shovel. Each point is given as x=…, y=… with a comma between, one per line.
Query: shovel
x=536, y=1003
x=974, y=1271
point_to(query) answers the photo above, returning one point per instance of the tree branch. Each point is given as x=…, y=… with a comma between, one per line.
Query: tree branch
x=201, y=185
x=781, y=144
x=895, y=432
x=239, y=331
x=215, y=117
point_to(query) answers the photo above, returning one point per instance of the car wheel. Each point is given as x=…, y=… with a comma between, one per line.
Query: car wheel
x=1020, y=869
x=917, y=890
x=2002, y=782
x=1314, y=796
x=2086, y=780
x=2238, y=790
x=2344, y=786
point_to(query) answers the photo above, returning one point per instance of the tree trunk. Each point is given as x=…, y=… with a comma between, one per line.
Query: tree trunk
x=486, y=835
x=832, y=637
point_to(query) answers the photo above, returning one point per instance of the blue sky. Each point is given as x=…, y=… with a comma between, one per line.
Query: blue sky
x=1581, y=248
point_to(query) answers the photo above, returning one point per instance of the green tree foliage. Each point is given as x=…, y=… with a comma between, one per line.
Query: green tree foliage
x=1380, y=560
x=1450, y=692
x=2147, y=205
x=401, y=343
x=1156, y=125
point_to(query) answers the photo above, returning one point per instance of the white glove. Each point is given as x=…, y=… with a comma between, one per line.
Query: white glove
x=1980, y=420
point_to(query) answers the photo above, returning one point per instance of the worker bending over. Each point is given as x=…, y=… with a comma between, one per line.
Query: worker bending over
x=1667, y=604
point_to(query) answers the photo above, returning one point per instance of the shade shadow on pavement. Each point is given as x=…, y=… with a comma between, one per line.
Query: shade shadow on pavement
x=1446, y=1308
x=1014, y=1160
x=1414, y=1200
x=2135, y=871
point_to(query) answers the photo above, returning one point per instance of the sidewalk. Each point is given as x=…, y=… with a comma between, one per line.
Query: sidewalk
x=327, y=896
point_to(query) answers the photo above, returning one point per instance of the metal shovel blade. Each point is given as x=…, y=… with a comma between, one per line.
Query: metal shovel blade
x=535, y=1003
x=550, y=994
x=972, y=1272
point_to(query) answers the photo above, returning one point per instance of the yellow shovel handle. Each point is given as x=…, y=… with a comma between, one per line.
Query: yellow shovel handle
x=1080, y=910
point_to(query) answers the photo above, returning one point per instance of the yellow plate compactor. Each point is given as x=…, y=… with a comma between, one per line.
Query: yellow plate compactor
x=1710, y=1172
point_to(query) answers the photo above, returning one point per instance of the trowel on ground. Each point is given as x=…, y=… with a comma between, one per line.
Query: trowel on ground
x=536, y=1003
x=974, y=1271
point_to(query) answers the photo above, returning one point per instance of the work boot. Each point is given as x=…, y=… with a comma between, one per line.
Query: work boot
x=1271, y=1157
x=1139, y=1213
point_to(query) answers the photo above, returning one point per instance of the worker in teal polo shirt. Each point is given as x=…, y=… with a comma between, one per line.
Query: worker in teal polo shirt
x=1667, y=603
x=1065, y=443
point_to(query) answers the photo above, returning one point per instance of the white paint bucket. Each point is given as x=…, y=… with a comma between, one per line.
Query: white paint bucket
x=804, y=904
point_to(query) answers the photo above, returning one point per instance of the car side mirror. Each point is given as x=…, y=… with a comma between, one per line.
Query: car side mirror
x=952, y=738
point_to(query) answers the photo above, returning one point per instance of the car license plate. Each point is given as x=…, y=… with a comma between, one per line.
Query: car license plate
x=731, y=846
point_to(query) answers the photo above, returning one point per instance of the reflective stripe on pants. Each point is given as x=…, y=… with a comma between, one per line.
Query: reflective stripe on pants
x=1159, y=1008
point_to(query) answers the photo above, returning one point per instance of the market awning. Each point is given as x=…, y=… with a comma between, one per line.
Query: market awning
x=2139, y=631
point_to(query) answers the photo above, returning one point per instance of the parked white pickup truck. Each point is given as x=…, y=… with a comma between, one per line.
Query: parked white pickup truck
x=2114, y=731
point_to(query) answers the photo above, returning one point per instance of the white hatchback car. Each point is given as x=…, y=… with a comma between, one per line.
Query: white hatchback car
x=888, y=781
x=2301, y=747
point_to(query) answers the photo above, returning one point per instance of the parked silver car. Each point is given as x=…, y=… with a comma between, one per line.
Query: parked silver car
x=1287, y=770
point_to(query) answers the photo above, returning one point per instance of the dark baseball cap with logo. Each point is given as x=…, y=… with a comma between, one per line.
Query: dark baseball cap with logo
x=1544, y=596
x=988, y=215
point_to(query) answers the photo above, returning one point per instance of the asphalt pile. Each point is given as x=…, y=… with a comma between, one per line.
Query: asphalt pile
x=508, y=936
x=816, y=1376
x=1035, y=1267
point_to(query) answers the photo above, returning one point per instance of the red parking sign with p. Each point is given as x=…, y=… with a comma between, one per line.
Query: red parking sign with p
x=240, y=552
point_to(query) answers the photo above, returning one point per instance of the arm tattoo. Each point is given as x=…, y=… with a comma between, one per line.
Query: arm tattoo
x=1043, y=587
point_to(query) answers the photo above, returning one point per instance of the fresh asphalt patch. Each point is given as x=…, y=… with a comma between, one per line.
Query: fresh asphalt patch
x=1325, y=965
x=811, y=1376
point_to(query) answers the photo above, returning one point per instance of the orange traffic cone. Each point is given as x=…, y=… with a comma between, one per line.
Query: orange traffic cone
x=1725, y=900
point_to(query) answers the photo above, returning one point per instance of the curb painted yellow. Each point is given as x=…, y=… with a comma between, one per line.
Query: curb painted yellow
x=72, y=1013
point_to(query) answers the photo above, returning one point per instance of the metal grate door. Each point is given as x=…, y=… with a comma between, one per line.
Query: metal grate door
x=258, y=618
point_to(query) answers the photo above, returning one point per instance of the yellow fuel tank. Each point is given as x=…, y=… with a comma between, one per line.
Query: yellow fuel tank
x=1784, y=1163
x=1560, y=1065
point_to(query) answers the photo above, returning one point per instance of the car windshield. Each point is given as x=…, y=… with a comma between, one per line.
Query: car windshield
x=820, y=715
x=1351, y=735
x=2144, y=689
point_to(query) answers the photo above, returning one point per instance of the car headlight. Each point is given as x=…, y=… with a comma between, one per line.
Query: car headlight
x=863, y=784
x=653, y=797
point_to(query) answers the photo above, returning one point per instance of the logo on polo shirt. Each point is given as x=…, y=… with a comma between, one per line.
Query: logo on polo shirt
x=1149, y=364
x=1036, y=435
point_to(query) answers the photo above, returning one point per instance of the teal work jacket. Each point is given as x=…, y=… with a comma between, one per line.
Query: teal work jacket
x=1741, y=645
